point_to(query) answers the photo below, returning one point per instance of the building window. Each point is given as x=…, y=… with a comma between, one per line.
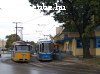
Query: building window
x=94, y=43
x=98, y=43
x=66, y=35
x=79, y=44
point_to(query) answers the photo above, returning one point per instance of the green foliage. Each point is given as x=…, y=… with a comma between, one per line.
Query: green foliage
x=32, y=43
x=80, y=15
x=10, y=39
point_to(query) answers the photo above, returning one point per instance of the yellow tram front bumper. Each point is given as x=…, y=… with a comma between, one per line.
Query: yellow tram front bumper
x=22, y=56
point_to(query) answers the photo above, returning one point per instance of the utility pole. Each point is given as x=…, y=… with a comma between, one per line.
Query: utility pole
x=21, y=34
x=16, y=28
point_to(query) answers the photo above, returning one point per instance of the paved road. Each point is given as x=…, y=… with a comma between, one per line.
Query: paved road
x=43, y=67
x=19, y=68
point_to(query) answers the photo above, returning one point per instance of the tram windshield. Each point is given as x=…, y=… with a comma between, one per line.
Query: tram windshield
x=22, y=48
x=46, y=47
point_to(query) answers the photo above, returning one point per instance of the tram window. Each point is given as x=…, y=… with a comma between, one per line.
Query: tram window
x=22, y=48
x=50, y=47
x=15, y=48
x=47, y=47
x=42, y=47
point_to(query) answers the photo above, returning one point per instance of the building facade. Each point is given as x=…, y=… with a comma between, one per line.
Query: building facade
x=69, y=42
x=2, y=44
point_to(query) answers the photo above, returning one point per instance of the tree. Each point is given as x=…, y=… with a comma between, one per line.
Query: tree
x=10, y=39
x=80, y=15
x=34, y=46
x=33, y=43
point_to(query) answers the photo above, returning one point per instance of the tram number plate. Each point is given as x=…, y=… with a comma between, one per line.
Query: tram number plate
x=23, y=55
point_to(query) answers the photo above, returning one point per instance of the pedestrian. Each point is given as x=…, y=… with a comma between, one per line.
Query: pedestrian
x=54, y=52
x=60, y=56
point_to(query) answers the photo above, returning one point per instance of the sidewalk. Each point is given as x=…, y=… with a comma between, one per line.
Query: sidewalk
x=69, y=63
x=66, y=60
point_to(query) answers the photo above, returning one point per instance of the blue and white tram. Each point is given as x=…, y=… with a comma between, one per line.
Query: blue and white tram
x=44, y=49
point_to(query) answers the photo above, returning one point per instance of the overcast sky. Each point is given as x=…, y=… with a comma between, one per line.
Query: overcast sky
x=34, y=23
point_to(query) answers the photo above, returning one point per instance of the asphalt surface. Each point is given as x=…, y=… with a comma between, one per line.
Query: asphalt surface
x=70, y=65
x=7, y=66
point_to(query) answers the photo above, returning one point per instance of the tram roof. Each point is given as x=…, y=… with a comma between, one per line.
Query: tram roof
x=45, y=41
x=21, y=43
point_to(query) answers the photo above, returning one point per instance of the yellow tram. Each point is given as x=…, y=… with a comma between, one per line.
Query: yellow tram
x=21, y=51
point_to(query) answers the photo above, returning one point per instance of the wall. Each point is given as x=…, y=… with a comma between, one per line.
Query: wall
x=97, y=33
x=59, y=30
x=73, y=45
x=66, y=47
x=73, y=34
x=2, y=44
x=79, y=51
x=61, y=45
